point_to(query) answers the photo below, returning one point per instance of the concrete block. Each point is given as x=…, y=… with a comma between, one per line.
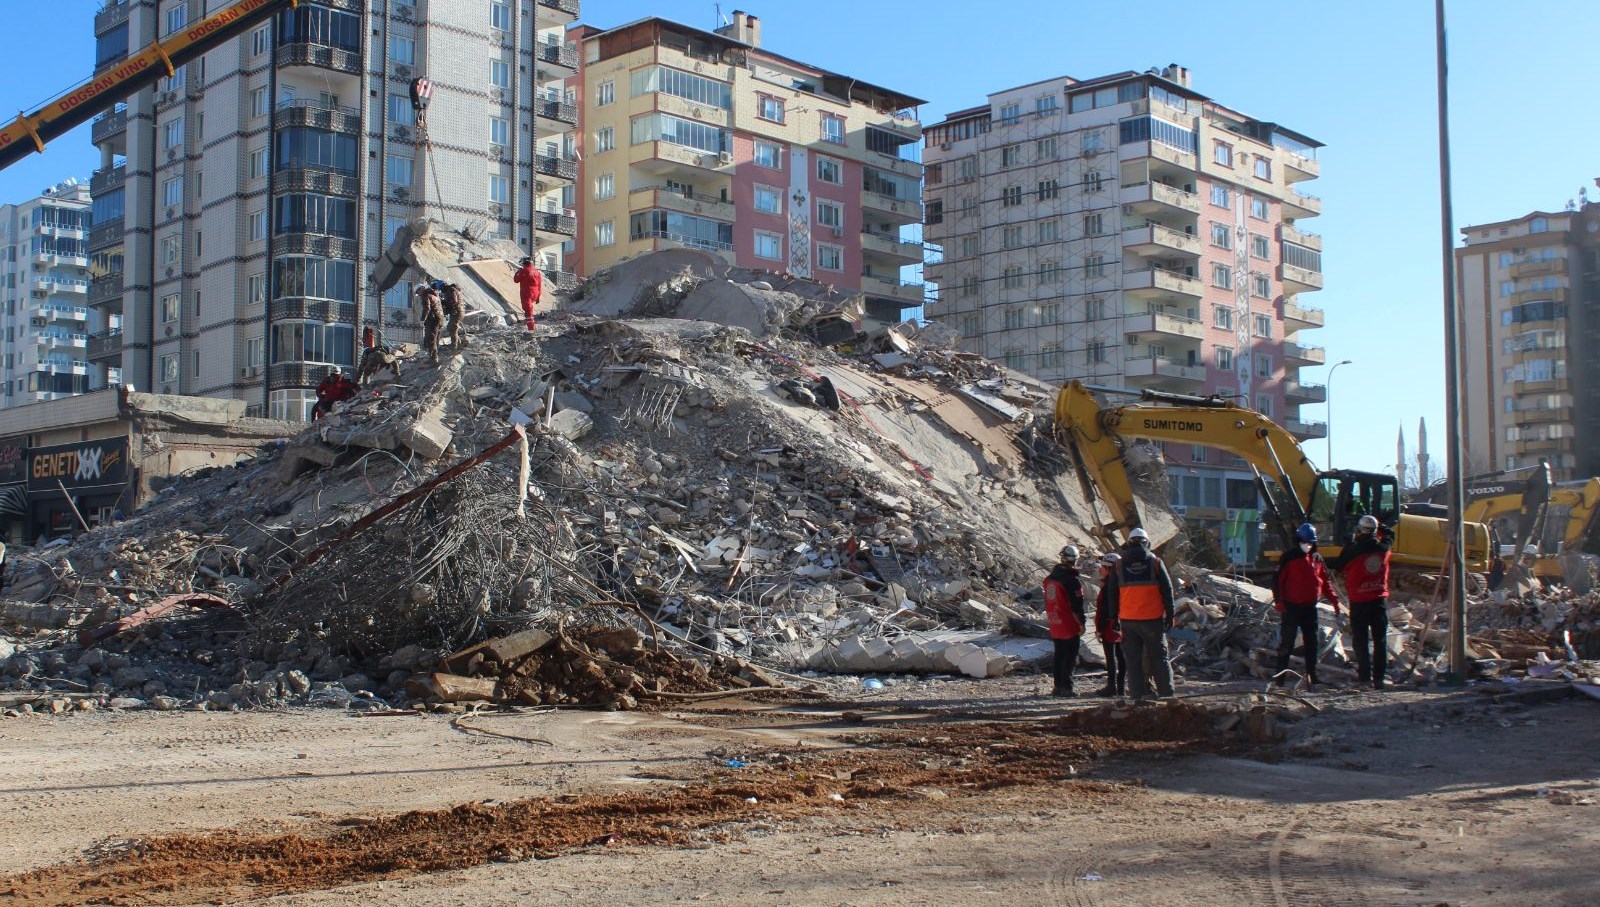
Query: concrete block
x=910, y=656
x=984, y=662
x=571, y=424
x=574, y=400
x=428, y=437
x=976, y=613
x=956, y=652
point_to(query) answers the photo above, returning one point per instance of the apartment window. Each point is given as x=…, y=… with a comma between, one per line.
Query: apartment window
x=1093, y=181
x=605, y=93
x=1094, y=142
x=1010, y=113
x=1260, y=247
x=1507, y=288
x=1047, y=149
x=169, y=308
x=255, y=351
x=1096, y=352
x=605, y=234
x=829, y=170
x=1222, y=317
x=1094, y=266
x=1221, y=236
x=172, y=133
x=260, y=42
x=769, y=155
x=499, y=74
x=1224, y=154
x=258, y=102
x=402, y=51
x=1264, y=405
x=1049, y=189
x=169, y=367
x=969, y=286
x=258, y=225
x=1538, y=225
x=1011, y=278
x=499, y=132
x=1261, y=286
x=1263, y=169
x=1197, y=454
x=391, y=229
x=969, y=168
x=768, y=200
x=1049, y=272
x=1013, y=319
x=833, y=128
x=1263, y=326
x=1258, y=208
x=500, y=16
x=970, y=326
x=1094, y=309
x=1046, y=104
x=400, y=111
x=605, y=139
x=605, y=186
x=1050, y=313
x=1051, y=356
x=177, y=18
x=830, y=214
x=398, y=170
x=1011, y=238
x=1263, y=366
x=499, y=190
x=1225, y=359
x=769, y=108
x=1221, y=196
x=255, y=290
x=258, y=163
x=172, y=192
x=1049, y=231
x=830, y=258
x=1011, y=197
x=1093, y=224
x=1011, y=155
x=1222, y=277
x=933, y=174
x=769, y=246
x=1014, y=360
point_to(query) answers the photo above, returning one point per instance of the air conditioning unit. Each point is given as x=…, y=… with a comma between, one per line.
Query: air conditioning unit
x=496, y=94
x=169, y=330
x=172, y=154
x=402, y=193
x=402, y=132
x=725, y=157
x=171, y=271
x=244, y=373
x=402, y=72
x=496, y=152
x=494, y=210
x=402, y=12
x=945, y=147
x=172, y=212
x=838, y=231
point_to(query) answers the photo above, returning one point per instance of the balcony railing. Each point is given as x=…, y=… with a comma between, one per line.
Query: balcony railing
x=315, y=244
x=1303, y=353
x=563, y=55
x=114, y=15
x=107, y=180
x=301, y=179
x=560, y=111
x=313, y=308
x=1161, y=367
x=1165, y=325
x=570, y=7
x=1306, y=430
x=561, y=280
x=320, y=55
x=105, y=287
x=105, y=345
x=313, y=113
x=1163, y=281
x=109, y=234
x=559, y=167
x=692, y=242
x=108, y=125
x=553, y=222
x=906, y=291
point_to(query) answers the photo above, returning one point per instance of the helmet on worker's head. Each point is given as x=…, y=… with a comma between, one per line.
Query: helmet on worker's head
x=1306, y=533
x=1069, y=554
x=1140, y=536
x=1367, y=525
x=527, y=261
x=334, y=372
x=438, y=284
x=1110, y=561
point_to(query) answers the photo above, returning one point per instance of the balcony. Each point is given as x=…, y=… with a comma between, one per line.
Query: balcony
x=1162, y=370
x=63, y=367
x=108, y=126
x=1545, y=446
x=1156, y=151
x=105, y=288
x=666, y=158
x=314, y=244
x=1547, y=386
x=295, y=374
x=556, y=111
x=557, y=12
x=665, y=240
x=646, y=198
x=561, y=280
x=105, y=235
x=1543, y=415
x=1556, y=294
x=106, y=346
x=64, y=340
x=1158, y=325
x=900, y=211
x=1298, y=317
x=1156, y=240
x=1159, y=198
x=1306, y=431
x=1523, y=269
x=562, y=55
x=1301, y=394
x=321, y=56
x=901, y=123
x=1297, y=167
x=1297, y=205
x=49, y=284
x=558, y=167
x=73, y=313
x=555, y=223
x=1302, y=354
x=300, y=179
x=315, y=114
x=313, y=308
x=910, y=293
x=107, y=180
x=115, y=15
x=1156, y=284
x=880, y=245
x=1299, y=280
x=1306, y=238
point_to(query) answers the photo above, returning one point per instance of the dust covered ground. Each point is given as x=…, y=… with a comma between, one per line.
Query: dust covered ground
x=928, y=792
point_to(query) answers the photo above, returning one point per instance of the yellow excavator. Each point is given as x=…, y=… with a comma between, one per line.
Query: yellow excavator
x=1532, y=521
x=1293, y=490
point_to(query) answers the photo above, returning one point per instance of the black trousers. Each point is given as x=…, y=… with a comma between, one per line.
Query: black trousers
x=1116, y=667
x=1301, y=619
x=1066, y=659
x=1369, y=625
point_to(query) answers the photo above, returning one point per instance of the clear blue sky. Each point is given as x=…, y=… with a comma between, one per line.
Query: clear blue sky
x=1355, y=74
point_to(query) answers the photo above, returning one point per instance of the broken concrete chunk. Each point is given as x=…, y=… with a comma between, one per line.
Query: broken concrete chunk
x=451, y=688
x=428, y=437
x=571, y=424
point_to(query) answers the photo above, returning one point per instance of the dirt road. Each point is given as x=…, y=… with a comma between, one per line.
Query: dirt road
x=948, y=794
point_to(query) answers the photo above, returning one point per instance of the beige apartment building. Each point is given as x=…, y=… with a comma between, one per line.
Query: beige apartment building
x=1130, y=231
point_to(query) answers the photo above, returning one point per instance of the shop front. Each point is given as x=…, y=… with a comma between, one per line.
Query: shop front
x=72, y=487
x=14, y=490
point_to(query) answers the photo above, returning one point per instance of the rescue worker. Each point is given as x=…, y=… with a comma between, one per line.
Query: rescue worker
x=1302, y=581
x=375, y=359
x=1364, y=564
x=454, y=308
x=335, y=388
x=432, y=320
x=531, y=285
x=1063, y=602
x=1139, y=594
x=1110, y=638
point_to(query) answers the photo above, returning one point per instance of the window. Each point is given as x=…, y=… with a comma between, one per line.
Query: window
x=1260, y=247
x=169, y=367
x=255, y=291
x=1011, y=155
x=698, y=90
x=172, y=133
x=970, y=326
x=1049, y=189
x=400, y=110
x=768, y=200
x=1047, y=149
x=1264, y=405
x=969, y=286
x=1051, y=356
x=769, y=246
x=830, y=258
x=1094, y=141
x=1011, y=278
x=605, y=233
x=258, y=225
x=1011, y=196
x=1263, y=326
x=829, y=170
x=1049, y=271
x=1014, y=360
x=1011, y=238
x=1221, y=236
x=258, y=102
x=830, y=214
x=768, y=155
x=499, y=74
x=1049, y=231
x=1094, y=309
x=255, y=351
x=605, y=93
x=1225, y=359
x=258, y=163
x=399, y=170
x=1013, y=319
x=1010, y=113
x=1261, y=286
x=391, y=229
x=833, y=128
x=1221, y=196
x=1222, y=277
x=499, y=190
x=1050, y=313
x=969, y=247
x=1096, y=352
x=500, y=16
x=172, y=192
x=499, y=132
x=1222, y=317
x=1046, y=104
x=605, y=186
x=1094, y=266
x=769, y=108
x=1538, y=225
x=169, y=308
x=1092, y=181
x=1224, y=154
x=177, y=18
x=260, y=43
x=1263, y=169
x=1507, y=288
x=1258, y=208
x=969, y=168
x=1263, y=366
x=402, y=51
x=1093, y=224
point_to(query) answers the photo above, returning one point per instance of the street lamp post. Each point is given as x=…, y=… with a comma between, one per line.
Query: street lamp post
x=1330, y=409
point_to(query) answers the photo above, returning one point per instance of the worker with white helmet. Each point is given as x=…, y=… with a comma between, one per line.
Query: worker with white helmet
x=1140, y=597
x=1110, y=636
x=1063, y=602
x=1364, y=563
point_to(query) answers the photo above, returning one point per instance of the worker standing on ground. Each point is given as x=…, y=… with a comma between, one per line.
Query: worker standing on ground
x=1063, y=602
x=1110, y=639
x=1139, y=594
x=454, y=308
x=1302, y=582
x=432, y=320
x=531, y=284
x=1364, y=564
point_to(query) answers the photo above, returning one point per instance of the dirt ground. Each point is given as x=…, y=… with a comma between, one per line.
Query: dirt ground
x=949, y=793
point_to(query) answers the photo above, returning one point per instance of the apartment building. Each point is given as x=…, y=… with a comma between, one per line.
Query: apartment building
x=1130, y=231
x=241, y=203
x=44, y=288
x=1529, y=291
x=707, y=140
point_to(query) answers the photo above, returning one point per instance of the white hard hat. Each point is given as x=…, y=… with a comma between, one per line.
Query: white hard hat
x=1139, y=535
x=1111, y=560
x=1367, y=523
x=1069, y=553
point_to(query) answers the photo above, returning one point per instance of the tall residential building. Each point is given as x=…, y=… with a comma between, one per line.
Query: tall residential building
x=44, y=282
x=242, y=203
x=707, y=140
x=1530, y=320
x=1129, y=231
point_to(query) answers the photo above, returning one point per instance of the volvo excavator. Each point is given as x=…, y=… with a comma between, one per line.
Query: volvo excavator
x=1294, y=491
x=1533, y=521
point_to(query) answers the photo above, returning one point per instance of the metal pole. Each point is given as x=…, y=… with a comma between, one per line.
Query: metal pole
x=1457, y=566
x=1329, y=389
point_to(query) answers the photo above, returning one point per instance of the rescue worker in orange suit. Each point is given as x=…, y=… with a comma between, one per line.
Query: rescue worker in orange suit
x=1302, y=582
x=1139, y=596
x=1063, y=602
x=531, y=286
x=1110, y=639
x=1364, y=564
x=335, y=388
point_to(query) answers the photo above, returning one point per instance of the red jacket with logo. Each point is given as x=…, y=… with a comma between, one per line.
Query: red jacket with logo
x=1063, y=601
x=1303, y=581
x=1365, y=565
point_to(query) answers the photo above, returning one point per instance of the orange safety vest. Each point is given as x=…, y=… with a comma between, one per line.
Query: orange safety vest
x=1139, y=599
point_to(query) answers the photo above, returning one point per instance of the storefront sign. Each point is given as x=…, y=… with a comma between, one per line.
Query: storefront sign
x=88, y=464
x=13, y=460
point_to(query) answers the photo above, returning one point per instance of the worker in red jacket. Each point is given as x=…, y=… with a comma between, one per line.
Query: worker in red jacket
x=1364, y=564
x=1109, y=634
x=335, y=388
x=531, y=286
x=1302, y=582
x=1063, y=602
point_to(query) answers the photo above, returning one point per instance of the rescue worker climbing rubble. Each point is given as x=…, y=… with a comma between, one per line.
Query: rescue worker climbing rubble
x=1302, y=581
x=335, y=388
x=432, y=319
x=1364, y=565
x=454, y=308
x=1139, y=594
x=1063, y=602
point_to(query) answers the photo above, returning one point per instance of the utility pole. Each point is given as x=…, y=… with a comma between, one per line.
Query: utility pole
x=1457, y=565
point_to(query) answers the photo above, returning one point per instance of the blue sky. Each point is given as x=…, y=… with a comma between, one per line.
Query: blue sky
x=1355, y=74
